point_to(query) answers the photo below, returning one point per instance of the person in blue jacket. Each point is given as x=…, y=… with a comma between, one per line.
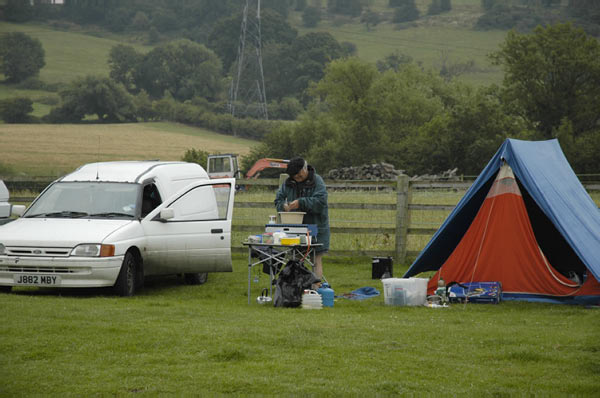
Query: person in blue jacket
x=304, y=190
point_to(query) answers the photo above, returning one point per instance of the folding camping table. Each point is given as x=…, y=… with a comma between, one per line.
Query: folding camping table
x=275, y=255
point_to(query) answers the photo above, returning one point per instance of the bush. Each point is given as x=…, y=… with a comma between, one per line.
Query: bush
x=52, y=100
x=504, y=17
x=143, y=106
x=393, y=61
x=170, y=110
x=18, y=10
x=16, y=110
x=406, y=12
x=20, y=56
x=164, y=108
x=31, y=83
x=439, y=6
x=287, y=109
x=94, y=95
x=370, y=19
x=61, y=114
x=196, y=156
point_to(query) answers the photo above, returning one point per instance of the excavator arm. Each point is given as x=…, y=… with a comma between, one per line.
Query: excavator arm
x=266, y=163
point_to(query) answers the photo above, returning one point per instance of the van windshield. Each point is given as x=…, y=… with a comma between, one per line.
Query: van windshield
x=87, y=200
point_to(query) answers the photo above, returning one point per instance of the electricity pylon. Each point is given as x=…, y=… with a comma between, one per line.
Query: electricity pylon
x=247, y=95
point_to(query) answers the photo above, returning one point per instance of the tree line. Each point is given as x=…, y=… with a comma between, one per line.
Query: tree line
x=348, y=112
x=422, y=123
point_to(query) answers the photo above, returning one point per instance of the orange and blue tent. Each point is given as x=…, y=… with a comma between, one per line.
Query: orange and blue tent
x=526, y=222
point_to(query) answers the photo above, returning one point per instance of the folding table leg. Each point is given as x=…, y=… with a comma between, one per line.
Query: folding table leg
x=249, y=270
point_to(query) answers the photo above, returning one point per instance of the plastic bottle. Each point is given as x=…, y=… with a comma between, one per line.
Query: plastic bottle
x=327, y=294
x=277, y=237
x=311, y=300
x=441, y=291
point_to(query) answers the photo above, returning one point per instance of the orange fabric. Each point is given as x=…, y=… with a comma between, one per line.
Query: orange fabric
x=500, y=246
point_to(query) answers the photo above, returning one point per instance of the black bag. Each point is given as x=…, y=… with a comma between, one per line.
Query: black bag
x=268, y=265
x=290, y=284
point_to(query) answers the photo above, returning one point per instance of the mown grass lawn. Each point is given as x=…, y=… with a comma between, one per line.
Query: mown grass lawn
x=199, y=340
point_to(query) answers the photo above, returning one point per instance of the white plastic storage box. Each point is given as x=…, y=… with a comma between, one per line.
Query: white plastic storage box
x=405, y=291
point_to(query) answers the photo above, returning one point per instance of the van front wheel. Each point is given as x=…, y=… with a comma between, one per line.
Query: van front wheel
x=125, y=285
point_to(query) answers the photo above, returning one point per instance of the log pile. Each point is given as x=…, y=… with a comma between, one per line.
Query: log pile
x=378, y=171
x=386, y=171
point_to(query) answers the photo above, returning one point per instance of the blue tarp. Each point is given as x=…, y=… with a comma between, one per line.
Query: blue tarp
x=543, y=171
x=361, y=293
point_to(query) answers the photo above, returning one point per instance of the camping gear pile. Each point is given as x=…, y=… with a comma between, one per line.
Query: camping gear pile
x=476, y=292
x=293, y=279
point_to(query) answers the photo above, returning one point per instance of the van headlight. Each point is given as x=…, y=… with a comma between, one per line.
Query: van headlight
x=2, y=249
x=93, y=250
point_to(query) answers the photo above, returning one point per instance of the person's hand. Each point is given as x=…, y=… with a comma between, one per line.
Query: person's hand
x=293, y=205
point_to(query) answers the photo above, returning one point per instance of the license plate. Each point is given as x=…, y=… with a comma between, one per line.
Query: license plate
x=37, y=280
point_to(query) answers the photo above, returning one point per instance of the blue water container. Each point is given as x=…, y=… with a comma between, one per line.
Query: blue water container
x=326, y=294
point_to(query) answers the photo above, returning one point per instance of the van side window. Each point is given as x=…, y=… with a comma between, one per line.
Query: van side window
x=150, y=199
x=201, y=204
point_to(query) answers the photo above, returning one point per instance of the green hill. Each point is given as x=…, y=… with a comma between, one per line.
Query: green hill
x=68, y=54
x=430, y=41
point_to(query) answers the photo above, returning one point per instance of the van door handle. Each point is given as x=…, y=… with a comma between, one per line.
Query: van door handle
x=216, y=231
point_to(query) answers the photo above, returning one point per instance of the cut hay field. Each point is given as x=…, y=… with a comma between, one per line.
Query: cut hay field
x=53, y=150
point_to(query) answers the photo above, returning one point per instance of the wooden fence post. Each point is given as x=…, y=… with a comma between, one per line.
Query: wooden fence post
x=402, y=217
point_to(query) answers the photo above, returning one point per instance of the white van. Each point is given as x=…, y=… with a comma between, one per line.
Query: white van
x=113, y=223
x=5, y=207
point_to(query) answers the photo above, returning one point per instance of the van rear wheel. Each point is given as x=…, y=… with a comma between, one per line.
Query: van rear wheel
x=195, y=279
x=126, y=281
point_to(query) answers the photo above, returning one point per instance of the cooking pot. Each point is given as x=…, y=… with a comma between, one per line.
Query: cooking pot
x=264, y=297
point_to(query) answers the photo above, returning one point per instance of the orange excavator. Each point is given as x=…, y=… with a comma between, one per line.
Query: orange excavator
x=226, y=165
x=266, y=163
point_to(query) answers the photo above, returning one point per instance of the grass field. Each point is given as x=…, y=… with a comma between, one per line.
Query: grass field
x=53, y=150
x=205, y=340
x=68, y=54
x=427, y=40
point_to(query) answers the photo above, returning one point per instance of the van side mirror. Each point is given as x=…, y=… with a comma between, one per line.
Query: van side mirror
x=17, y=210
x=166, y=214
